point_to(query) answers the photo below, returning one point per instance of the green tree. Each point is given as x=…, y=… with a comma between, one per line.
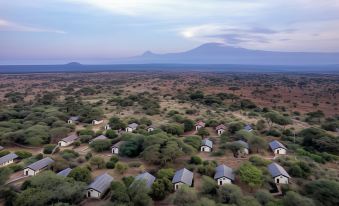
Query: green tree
x=101, y=145
x=121, y=167
x=209, y=185
x=188, y=125
x=292, y=199
x=229, y=194
x=250, y=175
x=194, y=141
x=119, y=193
x=203, y=132
x=48, y=188
x=185, y=196
x=160, y=188
x=138, y=193
x=4, y=174
x=325, y=192
x=111, y=134
x=116, y=123
x=81, y=174
x=99, y=162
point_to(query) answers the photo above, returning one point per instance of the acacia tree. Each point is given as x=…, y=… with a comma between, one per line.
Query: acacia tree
x=250, y=175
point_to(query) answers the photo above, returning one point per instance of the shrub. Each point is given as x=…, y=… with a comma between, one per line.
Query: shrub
x=23, y=154
x=196, y=160
x=134, y=164
x=4, y=152
x=48, y=149
x=121, y=167
x=110, y=165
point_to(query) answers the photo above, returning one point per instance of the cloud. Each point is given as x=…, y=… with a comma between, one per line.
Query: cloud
x=171, y=8
x=13, y=26
x=307, y=36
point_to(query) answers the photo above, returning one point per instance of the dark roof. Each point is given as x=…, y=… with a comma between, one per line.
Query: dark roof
x=40, y=164
x=221, y=126
x=277, y=170
x=146, y=177
x=1, y=147
x=243, y=143
x=200, y=123
x=74, y=118
x=65, y=172
x=101, y=137
x=133, y=125
x=276, y=144
x=248, y=127
x=207, y=142
x=118, y=144
x=224, y=171
x=151, y=126
x=184, y=176
x=70, y=138
x=8, y=157
x=101, y=183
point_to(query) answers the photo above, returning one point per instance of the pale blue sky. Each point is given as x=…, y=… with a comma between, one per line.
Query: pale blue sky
x=55, y=31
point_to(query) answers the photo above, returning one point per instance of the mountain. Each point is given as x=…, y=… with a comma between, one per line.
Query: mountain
x=214, y=53
x=73, y=64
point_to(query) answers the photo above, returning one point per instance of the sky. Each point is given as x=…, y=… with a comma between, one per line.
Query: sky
x=96, y=31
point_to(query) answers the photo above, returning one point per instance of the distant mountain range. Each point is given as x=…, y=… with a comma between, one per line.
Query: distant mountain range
x=214, y=53
x=207, y=57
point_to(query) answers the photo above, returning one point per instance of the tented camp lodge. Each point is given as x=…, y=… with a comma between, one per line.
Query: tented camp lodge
x=38, y=166
x=99, y=186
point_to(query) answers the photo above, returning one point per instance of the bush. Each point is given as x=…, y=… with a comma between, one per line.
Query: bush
x=99, y=162
x=81, y=174
x=273, y=133
x=111, y=134
x=23, y=154
x=121, y=167
x=196, y=160
x=85, y=138
x=110, y=165
x=134, y=164
x=16, y=167
x=258, y=161
x=324, y=192
x=4, y=152
x=48, y=149
x=101, y=145
x=68, y=154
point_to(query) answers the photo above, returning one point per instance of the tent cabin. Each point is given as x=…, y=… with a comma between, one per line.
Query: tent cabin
x=131, y=127
x=68, y=140
x=38, y=166
x=150, y=128
x=248, y=128
x=115, y=147
x=245, y=145
x=220, y=129
x=278, y=173
x=100, y=137
x=206, y=145
x=64, y=172
x=107, y=127
x=199, y=124
x=73, y=120
x=7, y=159
x=278, y=148
x=147, y=177
x=223, y=175
x=97, y=122
x=99, y=186
x=183, y=176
